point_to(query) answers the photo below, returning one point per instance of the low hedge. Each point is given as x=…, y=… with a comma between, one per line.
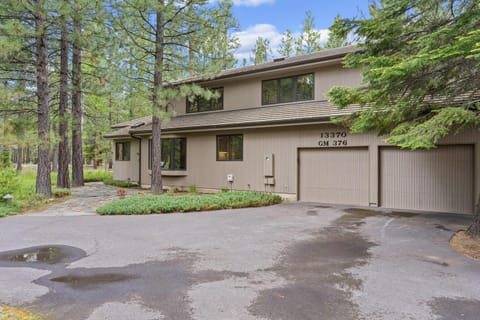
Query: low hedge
x=149, y=204
x=96, y=176
x=119, y=183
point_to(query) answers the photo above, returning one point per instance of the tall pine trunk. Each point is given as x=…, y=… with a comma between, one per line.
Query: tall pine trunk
x=157, y=186
x=474, y=229
x=55, y=150
x=63, y=179
x=28, y=158
x=77, y=154
x=19, y=158
x=43, y=182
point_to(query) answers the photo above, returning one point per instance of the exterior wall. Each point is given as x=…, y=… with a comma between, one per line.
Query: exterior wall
x=284, y=143
x=124, y=170
x=247, y=93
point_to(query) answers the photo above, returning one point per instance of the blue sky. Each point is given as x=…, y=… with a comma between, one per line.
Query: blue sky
x=270, y=18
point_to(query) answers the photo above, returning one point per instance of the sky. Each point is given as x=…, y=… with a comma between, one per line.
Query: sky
x=270, y=18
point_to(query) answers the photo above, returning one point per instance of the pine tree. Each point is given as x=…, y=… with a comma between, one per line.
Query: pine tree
x=159, y=35
x=420, y=62
x=261, y=51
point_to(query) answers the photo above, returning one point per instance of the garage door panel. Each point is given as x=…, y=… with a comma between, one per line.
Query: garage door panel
x=434, y=180
x=338, y=176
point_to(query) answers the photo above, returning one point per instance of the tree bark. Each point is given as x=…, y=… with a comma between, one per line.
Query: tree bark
x=19, y=158
x=55, y=151
x=28, y=159
x=157, y=185
x=63, y=179
x=474, y=229
x=77, y=153
x=43, y=182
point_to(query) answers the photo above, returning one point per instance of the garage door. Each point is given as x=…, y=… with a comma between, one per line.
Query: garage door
x=433, y=180
x=339, y=176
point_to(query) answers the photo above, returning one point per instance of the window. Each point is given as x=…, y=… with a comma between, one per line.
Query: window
x=122, y=151
x=200, y=104
x=230, y=148
x=174, y=154
x=297, y=88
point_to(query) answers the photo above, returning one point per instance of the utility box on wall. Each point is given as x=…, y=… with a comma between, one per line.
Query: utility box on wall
x=268, y=165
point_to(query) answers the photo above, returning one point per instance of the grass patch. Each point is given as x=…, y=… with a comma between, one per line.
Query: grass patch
x=148, y=204
x=96, y=175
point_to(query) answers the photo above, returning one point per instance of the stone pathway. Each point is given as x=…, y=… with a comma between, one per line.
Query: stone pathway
x=85, y=200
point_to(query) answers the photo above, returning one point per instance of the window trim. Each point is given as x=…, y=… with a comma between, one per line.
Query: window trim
x=117, y=156
x=295, y=84
x=229, y=147
x=198, y=99
x=172, y=152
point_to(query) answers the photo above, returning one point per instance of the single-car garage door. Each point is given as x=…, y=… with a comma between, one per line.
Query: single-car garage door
x=435, y=180
x=339, y=176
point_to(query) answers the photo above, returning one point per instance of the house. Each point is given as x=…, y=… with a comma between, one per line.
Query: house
x=270, y=130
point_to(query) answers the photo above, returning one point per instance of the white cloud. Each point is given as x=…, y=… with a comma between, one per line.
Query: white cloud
x=249, y=36
x=252, y=3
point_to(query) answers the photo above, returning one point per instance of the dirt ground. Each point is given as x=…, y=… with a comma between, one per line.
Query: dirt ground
x=466, y=245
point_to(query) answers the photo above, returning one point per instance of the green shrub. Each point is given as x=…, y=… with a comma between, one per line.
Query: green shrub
x=60, y=193
x=148, y=204
x=9, y=182
x=96, y=176
x=193, y=189
x=119, y=183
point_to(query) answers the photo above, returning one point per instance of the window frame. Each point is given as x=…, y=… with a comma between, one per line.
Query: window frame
x=172, y=153
x=294, y=93
x=124, y=157
x=229, y=152
x=200, y=99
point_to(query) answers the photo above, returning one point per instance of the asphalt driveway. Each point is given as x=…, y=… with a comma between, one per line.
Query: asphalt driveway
x=290, y=261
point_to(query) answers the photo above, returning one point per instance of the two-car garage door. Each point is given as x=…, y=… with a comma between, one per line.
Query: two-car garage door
x=434, y=180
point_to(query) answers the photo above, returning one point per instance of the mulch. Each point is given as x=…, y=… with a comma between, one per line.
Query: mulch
x=466, y=245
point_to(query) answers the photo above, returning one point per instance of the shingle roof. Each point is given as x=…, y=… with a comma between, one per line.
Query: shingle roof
x=305, y=112
x=129, y=123
x=324, y=55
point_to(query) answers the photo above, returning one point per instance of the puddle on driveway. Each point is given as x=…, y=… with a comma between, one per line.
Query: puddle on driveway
x=84, y=281
x=41, y=255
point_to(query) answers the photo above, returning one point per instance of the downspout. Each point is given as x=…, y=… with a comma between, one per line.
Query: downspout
x=139, y=159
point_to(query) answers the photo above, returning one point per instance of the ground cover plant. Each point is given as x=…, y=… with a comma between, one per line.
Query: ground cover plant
x=96, y=176
x=119, y=183
x=148, y=204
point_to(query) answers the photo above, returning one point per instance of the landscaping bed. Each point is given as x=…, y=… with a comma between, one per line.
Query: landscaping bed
x=168, y=203
x=11, y=313
x=466, y=245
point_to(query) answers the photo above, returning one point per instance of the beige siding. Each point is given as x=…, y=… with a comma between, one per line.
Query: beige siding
x=283, y=142
x=328, y=77
x=339, y=176
x=434, y=180
x=124, y=170
x=247, y=93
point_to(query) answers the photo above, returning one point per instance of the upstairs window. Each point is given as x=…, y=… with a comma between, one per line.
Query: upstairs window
x=174, y=154
x=122, y=151
x=200, y=104
x=296, y=88
x=230, y=147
